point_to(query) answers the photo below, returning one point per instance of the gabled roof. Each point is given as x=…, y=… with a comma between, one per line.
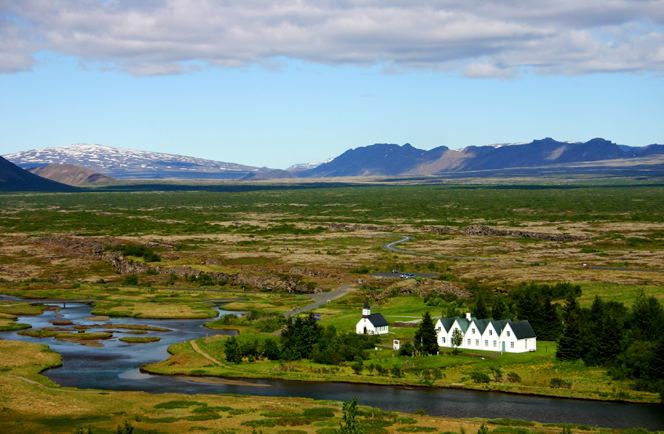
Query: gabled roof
x=463, y=324
x=481, y=324
x=377, y=320
x=447, y=323
x=522, y=329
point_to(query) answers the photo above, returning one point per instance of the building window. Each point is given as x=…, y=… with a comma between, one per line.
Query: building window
x=473, y=331
x=443, y=340
x=511, y=344
x=494, y=344
x=508, y=334
x=486, y=342
x=468, y=341
x=490, y=332
x=477, y=342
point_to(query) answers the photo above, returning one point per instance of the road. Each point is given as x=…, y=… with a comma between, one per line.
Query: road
x=321, y=298
x=404, y=238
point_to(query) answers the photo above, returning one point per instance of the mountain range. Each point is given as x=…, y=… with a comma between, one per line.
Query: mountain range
x=395, y=160
x=13, y=178
x=123, y=163
x=539, y=156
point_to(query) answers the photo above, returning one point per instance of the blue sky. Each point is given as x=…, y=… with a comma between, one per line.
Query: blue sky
x=284, y=82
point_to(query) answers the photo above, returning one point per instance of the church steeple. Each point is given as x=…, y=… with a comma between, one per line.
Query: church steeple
x=366, y=310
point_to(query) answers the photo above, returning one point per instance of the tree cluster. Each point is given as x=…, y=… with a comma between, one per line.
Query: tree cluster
x=304, y=338
x=630, y=342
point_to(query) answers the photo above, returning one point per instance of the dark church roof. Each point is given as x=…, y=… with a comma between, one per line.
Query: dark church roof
x=378, y=320
x=366, y=304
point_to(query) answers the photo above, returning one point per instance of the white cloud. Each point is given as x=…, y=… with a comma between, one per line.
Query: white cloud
x=478, y=38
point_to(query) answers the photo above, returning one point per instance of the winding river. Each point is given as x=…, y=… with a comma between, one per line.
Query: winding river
x=115, y=366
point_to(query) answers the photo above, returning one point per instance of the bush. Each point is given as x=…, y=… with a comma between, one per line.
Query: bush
x=179, y=404
x=480, y=377
x=416, y=429
x=513, y=377
x=130, y=280
x=318, y=413
x=259, y=423
x=510, y=422
x=559, y=383
x=421, y=412
x=406, y=420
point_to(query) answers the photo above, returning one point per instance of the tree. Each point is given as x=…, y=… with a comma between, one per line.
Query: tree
x=480, y=311
x=499, y=310
x=483, y=430
x=126, y=428
x=426, y=339
x=232, y=350
x=551, y=326
x=647, y=318
x=569, y=345
x=271, y=349
x=299, y=337
x=350, y=424
x=457, y=340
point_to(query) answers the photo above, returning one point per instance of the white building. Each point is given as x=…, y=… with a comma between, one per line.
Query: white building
x=487, y=334
x=372, y=324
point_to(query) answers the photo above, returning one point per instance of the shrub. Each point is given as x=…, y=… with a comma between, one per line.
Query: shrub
x=480, y=377
x=318, y=413
x=179, y=404
x=421, y=412
x=406, y=420
x=130, y=280
x=559, y=383
x=513, y=377
x=259, y=423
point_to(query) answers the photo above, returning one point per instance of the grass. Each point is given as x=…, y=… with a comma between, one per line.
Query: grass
x=144, y=340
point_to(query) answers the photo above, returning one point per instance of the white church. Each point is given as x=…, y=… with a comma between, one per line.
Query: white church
x=371, y=323
x=487, y=334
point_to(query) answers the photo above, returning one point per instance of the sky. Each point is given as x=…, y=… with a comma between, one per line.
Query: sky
x=274, y=83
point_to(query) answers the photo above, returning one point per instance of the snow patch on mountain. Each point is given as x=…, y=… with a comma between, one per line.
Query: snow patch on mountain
x=307, y=166
x=124, y=163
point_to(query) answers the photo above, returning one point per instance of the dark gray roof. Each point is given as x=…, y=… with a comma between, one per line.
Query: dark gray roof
x=378, y=320
x=366, y=304
x=463, y=324
x=447, y=323
x=522, y=329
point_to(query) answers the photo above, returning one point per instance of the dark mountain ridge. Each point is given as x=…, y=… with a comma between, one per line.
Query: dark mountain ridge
x=391, y=160
x=13, y=178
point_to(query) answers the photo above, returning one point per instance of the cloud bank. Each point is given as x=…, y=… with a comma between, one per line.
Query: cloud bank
x=499, y=38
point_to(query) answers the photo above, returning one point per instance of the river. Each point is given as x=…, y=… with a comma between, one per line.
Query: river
x=115, y=366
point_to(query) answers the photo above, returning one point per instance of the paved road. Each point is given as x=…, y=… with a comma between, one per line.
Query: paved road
x=320, y=299
x=395, y=275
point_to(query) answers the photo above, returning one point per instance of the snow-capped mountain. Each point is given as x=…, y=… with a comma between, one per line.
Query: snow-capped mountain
x=307, y=166
x=123, y=163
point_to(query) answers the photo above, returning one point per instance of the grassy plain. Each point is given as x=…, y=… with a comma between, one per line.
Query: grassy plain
x=322, y=235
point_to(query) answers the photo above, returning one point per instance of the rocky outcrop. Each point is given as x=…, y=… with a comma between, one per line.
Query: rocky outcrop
x=316, y=273
x=357, y=227
x=438, y=229
x=423, y=287
x=77, y=246
x=124, y=266
x=486, y=231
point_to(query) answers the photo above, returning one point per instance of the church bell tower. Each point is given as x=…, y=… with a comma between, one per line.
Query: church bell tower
x=366, y=310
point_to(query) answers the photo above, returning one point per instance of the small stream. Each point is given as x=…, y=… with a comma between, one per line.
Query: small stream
x=115, y=366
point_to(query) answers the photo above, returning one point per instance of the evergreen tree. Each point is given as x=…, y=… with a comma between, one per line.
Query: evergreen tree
x=569, y=345
x=551, y=325
x=480, y=310
x=647, y=318
x=499, y=310
x=529, y=307
x=299, y=337
x=232, y=350
x=426, y=340
x=271, y=349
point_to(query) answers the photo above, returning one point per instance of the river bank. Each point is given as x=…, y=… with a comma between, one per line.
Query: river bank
x=193, y=358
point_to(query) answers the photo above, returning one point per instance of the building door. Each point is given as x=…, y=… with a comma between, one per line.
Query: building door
x=503, y=345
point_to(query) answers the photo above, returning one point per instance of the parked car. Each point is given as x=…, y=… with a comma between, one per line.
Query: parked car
x=407, y=276
x=395, y=271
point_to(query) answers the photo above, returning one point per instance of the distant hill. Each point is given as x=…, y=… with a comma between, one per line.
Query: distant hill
x=13, y=178
x=393, y=160
x=69, y=174
x=272, y=174
x=123, y=163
